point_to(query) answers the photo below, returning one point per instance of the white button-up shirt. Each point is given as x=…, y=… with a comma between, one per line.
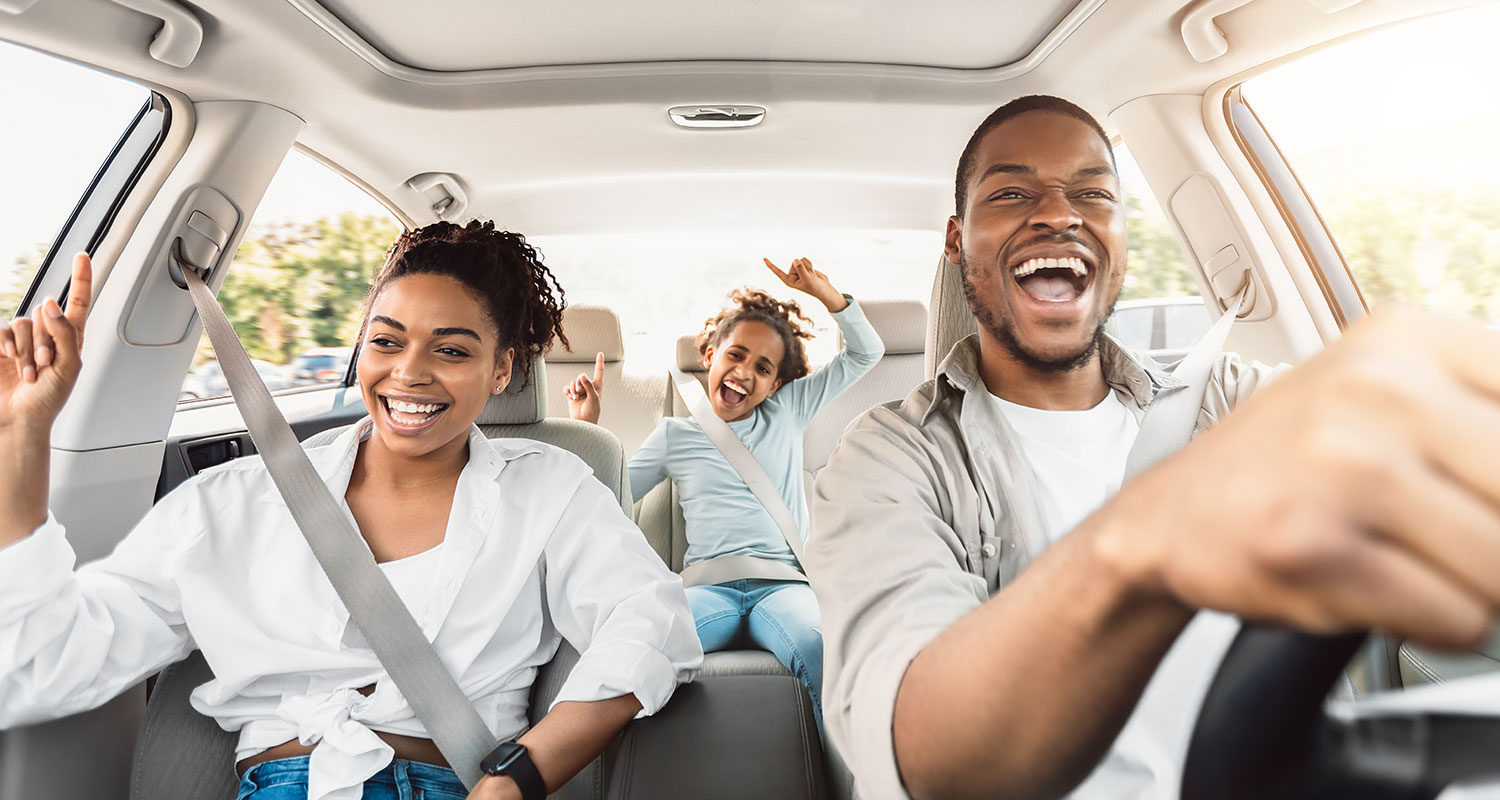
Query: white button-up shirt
x=536, y=551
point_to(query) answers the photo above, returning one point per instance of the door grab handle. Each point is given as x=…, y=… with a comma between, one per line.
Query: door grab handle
x=181, y=34
x=449, y=208
x=1205, y=42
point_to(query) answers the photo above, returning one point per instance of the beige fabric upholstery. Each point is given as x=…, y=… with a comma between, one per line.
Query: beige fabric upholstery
x=902, y=325
x=659, y=516
x=596, y=446
x=590, y=330
x=689, y=360
x=633, y=403
x=949, y=319
x=659, y=513
x=523, y=401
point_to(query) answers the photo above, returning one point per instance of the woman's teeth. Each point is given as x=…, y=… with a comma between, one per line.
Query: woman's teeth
x=1030, y=267
x=415, y=408
x=413, y=413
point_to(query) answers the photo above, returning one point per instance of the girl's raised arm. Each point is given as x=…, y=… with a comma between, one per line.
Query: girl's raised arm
x=802, y=277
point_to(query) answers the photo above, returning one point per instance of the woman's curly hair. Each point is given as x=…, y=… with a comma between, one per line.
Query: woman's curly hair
x=784, y=316
x=521, y=297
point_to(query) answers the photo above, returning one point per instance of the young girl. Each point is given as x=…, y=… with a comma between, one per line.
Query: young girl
x=758, y=382
x=500, y=549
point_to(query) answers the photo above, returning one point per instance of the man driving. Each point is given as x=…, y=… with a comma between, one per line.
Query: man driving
x=1003, y=619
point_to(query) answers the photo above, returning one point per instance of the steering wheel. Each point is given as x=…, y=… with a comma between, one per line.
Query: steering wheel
x=1263, y=731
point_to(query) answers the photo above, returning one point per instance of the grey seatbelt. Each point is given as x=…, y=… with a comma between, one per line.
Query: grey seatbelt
x=718, y=570
x=1172, y=416
x=411, y=661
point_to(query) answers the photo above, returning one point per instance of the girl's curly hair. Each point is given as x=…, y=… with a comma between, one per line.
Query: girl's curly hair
x=521, y=297
x=784, y=316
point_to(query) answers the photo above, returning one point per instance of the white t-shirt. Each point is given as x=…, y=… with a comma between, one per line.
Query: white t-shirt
x=1078, y=456
x=1079, y=461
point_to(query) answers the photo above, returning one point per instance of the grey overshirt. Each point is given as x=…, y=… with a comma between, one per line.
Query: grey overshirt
x=925, y=509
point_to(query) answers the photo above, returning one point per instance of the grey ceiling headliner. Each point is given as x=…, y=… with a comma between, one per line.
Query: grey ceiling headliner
x=487, y=35
x=578, y=148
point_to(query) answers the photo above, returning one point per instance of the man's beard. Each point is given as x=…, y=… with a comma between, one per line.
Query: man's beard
x=1004, y=332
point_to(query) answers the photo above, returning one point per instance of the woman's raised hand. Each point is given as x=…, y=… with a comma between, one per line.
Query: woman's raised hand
x=584, y=401
x=802, y=277
x=39, y=355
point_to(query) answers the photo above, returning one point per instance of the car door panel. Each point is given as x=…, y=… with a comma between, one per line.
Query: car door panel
x=205, y=435
x=109, y=441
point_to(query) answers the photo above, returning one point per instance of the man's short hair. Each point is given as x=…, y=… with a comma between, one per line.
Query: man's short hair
x=1015, y=108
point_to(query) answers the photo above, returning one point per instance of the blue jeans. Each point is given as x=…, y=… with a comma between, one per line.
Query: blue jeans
x=779, y=616
x=286, y=779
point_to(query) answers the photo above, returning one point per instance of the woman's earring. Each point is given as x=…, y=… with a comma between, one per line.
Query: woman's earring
x=499, y=389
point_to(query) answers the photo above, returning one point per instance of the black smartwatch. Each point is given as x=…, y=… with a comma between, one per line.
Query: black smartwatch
x=511, y=760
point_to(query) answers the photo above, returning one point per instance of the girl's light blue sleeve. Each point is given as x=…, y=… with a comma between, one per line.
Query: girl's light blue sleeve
x=862, y=351
x=648, y=466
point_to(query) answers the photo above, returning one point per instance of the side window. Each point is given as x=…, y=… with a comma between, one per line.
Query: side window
x=1392, y=136
x=1134, y=325
x=294, y=290
x=1160, y=310
x=66, y=121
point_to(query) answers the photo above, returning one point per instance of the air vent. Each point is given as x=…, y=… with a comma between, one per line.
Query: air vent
x=716, y=116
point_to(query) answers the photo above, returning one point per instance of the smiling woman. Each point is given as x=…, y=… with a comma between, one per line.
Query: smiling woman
x=469, y=525
x=455, y=315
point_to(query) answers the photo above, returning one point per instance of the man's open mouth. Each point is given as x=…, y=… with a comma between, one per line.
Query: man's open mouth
x=1053, y=280
x=412, y=415
x=732, y=394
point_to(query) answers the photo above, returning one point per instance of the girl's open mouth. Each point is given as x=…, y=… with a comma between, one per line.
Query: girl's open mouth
x=730, y=397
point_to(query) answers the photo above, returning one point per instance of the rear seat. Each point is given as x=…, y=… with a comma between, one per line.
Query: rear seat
x=902, y=325
x=633, y=403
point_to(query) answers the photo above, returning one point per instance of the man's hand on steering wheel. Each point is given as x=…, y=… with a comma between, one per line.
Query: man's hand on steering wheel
x=1360, y=491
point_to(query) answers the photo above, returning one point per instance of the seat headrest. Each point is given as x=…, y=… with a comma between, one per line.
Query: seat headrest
x=902, y=324
x=949, y=318
x=590, y=330
x=689, y=360
x=519, y=405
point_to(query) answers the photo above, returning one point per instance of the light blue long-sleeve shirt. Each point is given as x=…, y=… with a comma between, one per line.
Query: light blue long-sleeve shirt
x=723, y=516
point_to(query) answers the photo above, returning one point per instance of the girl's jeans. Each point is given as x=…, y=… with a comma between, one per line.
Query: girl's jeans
x=779, y=616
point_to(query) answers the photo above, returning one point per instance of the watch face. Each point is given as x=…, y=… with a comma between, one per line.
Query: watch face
x=502, y=757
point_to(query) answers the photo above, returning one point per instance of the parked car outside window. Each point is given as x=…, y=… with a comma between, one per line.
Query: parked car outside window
x=321, y=365
x=208, y=380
